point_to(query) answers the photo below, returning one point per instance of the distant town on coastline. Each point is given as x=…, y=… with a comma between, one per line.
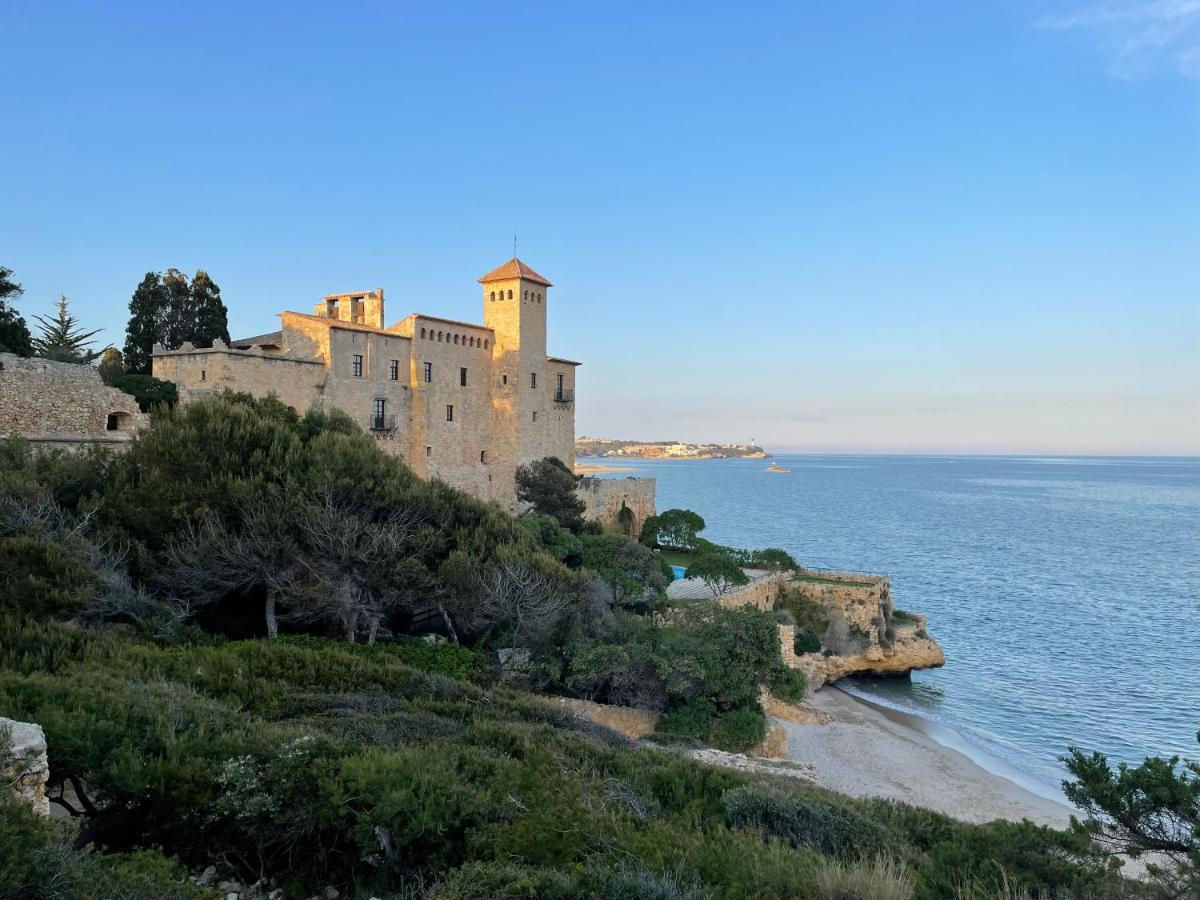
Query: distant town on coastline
x=586, y=446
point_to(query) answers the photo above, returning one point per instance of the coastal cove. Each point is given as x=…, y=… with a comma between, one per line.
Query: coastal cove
x=1049, y=583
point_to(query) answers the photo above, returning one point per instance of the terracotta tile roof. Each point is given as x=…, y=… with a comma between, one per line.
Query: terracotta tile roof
x=348, y=326
x=514, y=268
x=559, y=359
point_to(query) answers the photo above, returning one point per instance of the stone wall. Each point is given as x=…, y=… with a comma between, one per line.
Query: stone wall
x=604, y=498
x=762, y=592
x=23, y=762
x=63, y=404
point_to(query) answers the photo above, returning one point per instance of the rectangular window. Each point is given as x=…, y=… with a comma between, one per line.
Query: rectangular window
x=394, y=370
x=429, y=451
x=204, y=375
x=558, y=384
x=483, y=457
x=462, y=377
x=504, y=379
x=535, y=415
x=428, y=372
x=358, y=365
x=533, y=379
x=378, y=415
x=449, y=413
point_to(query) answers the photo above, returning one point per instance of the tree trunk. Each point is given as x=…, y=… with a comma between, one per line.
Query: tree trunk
x=449, y=624
x=272, y=622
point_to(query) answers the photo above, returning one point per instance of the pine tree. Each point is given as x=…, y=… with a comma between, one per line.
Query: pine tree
x=62, y=340
x=180, y=314
x=14, y=333
x=147, y=319
x=208, y=312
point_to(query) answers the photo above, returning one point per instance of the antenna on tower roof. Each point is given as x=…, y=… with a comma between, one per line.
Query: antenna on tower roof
x=514, y=242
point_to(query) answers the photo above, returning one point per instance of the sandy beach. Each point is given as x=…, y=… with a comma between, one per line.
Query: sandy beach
x=867, y=750
x=594, y=468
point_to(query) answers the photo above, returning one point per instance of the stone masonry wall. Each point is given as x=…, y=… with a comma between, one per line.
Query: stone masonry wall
x=761, y=593
x=603, y=499
x=50, y=402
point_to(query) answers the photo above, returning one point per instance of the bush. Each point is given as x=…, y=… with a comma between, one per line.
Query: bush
x=881, y=878
x=806, y=642
x=789, y=685
x=690, y=720
x=43, y=577
x=830, y=829
x=150, y=393
x=739, y=728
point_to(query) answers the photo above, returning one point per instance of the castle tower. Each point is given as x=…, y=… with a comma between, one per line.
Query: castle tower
x=515, y=298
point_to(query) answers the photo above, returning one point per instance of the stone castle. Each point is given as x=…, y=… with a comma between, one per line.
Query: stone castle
x=460, y=402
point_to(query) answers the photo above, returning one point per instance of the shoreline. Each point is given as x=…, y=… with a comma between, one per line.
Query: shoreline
x=869, y=750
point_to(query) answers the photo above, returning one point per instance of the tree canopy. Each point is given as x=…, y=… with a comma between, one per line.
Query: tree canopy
x=167, y=309
x=63, y=339
x=551, y=488
x=14, y=332
x=717, y=569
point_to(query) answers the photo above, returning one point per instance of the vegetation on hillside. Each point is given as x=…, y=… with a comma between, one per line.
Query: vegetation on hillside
x=137, y=596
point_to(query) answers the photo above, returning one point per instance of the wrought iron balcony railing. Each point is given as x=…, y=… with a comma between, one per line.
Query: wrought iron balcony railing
x=564, y=396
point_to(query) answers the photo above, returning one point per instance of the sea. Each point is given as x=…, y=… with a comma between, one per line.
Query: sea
x=1064, y=590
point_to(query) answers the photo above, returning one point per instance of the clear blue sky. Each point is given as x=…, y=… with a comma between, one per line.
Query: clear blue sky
x=928, y=226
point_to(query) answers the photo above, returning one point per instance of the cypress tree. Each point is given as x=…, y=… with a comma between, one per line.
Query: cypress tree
x=14, y=333
x=180, y=322
x=208, y=312
x=63, y=340
x=147, y=317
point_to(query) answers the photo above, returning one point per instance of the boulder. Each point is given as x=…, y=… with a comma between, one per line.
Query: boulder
x=23, y=762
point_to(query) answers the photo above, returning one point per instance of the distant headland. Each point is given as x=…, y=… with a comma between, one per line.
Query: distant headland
x=586, y=446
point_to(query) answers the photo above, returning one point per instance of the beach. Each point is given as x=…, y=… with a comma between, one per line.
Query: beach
x=866, y=750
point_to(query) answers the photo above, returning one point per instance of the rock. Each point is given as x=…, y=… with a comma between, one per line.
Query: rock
x=908, y=652
x=229, y=887
x=743, y=763
x=331, y=893
x=275, y=894
x=232, y=895
x=23, y=762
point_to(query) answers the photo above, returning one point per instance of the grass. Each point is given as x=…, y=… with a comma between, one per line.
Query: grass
x=676, y=557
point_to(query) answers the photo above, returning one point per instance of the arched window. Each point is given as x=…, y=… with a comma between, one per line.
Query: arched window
x=493, y=296
x=485, y=344
x=456, y=339
x=524, y=295
x=422, y=332
x=483, y=457
x=510, y=294
x=439, y=336
x=472, y=342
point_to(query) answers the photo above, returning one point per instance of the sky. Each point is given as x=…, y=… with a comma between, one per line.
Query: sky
x=934, y=227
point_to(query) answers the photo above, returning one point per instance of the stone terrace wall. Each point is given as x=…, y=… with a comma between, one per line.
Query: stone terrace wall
x=603, y=499
x=761, y=593
x=63, y=403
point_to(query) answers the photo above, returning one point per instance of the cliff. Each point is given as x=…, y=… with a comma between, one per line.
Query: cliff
x=846, y=624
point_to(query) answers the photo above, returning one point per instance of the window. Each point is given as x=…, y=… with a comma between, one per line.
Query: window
x=394, y=370
x=449, y=413
x=428, y=372
x=378, y=414
x=358, y=365
x=524, y=295
x=558, y=385
x=483, y=457
x=504, y=379
x=439, y=337
x=462, y=377
x=118, y=421
x=456, y=339
x=533, y=379
x=510, y=295
x=535, y=415
x=493, y=296
x=422, y=332
x=204, y=375
x=428, y=451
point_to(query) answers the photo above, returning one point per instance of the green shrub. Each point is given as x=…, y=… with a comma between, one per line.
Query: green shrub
x=44, y=577
x=881, y=878
x=691, y=720
x=826, y=827
x=806, y=642
x=150, y=393
x=789, y=685
x=738, y=729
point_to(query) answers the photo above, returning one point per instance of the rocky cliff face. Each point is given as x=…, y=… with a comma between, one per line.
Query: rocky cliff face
x=860, y=631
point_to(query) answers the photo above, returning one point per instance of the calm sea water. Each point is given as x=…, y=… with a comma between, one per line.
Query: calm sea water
x=1065, y=591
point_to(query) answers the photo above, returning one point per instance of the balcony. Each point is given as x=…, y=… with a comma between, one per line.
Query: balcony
x=564, y=396
x=381, y=423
